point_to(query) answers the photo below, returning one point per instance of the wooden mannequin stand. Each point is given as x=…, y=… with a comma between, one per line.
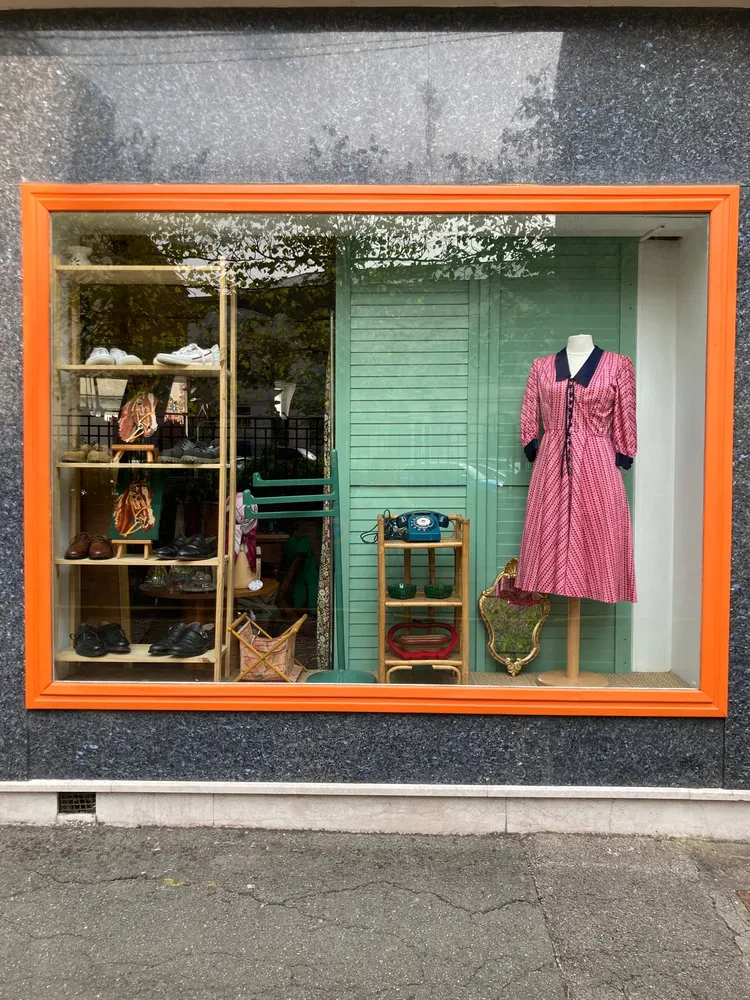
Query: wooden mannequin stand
x=572, y=677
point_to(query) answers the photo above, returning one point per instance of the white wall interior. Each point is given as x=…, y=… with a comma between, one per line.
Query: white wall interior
x=653, y=500
x=690, y=412
x=668, y=499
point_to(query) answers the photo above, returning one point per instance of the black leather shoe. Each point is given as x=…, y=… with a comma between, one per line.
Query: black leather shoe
x=87, y=642
x=196, y=640
x=197, y=547
x=177, y=452
x=171, y=550
x=113, y=636
x=163, y=647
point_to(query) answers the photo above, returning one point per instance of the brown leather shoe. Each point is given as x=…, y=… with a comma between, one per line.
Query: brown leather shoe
x=100, y=548
x=79, y=546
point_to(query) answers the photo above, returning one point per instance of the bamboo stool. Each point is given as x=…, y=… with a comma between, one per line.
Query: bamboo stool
x=150, y=450
x=120, y=545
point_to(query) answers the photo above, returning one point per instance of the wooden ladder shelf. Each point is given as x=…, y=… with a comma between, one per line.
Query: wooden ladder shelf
x=457, y=662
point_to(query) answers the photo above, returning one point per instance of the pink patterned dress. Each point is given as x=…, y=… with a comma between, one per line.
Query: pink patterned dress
x=577, y=539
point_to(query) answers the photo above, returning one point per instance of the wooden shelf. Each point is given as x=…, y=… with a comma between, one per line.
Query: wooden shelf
x=457, y=604
x=137, y=465
x=140, y=561
x=117, y=371
x=437, y=662
x=138, y=654
x=447, y=544
x=138, y=274
x=420, y=601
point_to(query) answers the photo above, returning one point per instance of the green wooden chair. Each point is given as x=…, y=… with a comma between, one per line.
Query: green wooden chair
x=327, y=506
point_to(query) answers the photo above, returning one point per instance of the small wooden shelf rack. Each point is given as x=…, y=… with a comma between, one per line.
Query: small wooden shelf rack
x=458, y=602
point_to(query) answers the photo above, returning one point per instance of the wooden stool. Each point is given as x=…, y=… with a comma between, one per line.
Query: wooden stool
x=120, y=545
x=118, y=450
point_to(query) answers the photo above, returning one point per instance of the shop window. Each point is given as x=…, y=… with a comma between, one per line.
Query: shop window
x=514, y=412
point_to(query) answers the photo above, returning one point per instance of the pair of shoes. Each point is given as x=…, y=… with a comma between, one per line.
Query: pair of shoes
x=107, y=638
x=87, y=453
x=85, y=546
x=103, y=357
x=186, y=549
x=188, y=452
x=190, y=355
x=184, y=640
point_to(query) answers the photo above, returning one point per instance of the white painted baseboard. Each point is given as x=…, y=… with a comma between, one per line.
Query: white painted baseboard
x=713, y=813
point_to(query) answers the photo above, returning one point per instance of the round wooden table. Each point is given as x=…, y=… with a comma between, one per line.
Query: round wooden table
x=199, y=604
x=267, y=593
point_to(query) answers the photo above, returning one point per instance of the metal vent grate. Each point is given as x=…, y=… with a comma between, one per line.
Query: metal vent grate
x=76, y=802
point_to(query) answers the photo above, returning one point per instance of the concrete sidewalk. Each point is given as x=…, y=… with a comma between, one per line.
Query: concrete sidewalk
x=97, y=912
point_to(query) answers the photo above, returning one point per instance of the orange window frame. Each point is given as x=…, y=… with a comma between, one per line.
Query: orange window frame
x=721, y=203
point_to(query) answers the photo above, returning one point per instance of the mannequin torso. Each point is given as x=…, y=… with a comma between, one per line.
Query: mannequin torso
x=578, y=349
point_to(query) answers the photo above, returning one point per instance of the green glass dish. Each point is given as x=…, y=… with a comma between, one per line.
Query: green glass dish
x=402, y=591
x=438, y=591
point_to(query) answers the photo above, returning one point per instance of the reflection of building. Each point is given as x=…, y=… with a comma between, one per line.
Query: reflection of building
x=177, y=404
x=428, y=371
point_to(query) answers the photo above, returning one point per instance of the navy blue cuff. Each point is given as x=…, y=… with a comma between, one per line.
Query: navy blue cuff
x=624, y=461
x=530, y=449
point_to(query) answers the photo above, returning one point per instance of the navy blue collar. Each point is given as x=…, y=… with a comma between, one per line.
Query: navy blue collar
x=584, y=374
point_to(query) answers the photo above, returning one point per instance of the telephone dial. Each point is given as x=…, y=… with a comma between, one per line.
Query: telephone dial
x=416, y=526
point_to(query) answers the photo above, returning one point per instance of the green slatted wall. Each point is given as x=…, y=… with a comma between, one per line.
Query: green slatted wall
x=429, y=380
x=401, y=422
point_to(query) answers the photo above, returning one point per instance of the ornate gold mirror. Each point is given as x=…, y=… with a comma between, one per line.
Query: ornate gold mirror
x=514, y=619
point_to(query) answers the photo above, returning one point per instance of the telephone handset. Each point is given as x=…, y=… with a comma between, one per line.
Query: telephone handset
x=417, y=526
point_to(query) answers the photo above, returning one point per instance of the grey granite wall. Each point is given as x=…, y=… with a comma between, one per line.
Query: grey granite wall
x=436, y=97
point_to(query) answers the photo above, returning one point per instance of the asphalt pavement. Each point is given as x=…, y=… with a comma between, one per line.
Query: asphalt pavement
x=96, y=912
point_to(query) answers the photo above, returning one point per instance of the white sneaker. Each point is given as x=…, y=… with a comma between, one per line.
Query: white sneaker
x=190, y=355
x=123, y=358
x=100, y=356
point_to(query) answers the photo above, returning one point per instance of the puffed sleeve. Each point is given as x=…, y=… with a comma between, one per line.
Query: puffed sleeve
x=624, y=435
x=530, y=415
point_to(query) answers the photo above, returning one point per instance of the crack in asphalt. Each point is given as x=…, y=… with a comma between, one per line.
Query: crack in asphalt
x=247, y=922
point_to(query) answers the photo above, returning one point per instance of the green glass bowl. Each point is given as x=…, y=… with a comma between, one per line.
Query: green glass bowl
x=438, y=591
x=402, y=591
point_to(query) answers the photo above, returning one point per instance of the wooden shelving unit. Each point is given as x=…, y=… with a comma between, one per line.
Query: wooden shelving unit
x=458, y=602
x=117, y=466
x=68, y=371
x=117, y=371
x=138, y=561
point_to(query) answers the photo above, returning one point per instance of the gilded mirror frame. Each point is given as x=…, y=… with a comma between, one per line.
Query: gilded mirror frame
x=513, y=665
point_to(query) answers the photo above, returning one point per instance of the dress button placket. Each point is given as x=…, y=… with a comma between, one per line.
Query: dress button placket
x=570, y=394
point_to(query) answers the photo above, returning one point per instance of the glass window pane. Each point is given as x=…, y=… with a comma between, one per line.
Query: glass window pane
x=196, y=357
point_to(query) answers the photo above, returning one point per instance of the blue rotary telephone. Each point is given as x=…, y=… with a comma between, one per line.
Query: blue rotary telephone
x=420, y=525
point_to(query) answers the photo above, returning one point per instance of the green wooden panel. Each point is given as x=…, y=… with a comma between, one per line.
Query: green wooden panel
x=628, y=328
x=396, y=392
x=409, y=327
x=404, y=415
x=416, y=428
